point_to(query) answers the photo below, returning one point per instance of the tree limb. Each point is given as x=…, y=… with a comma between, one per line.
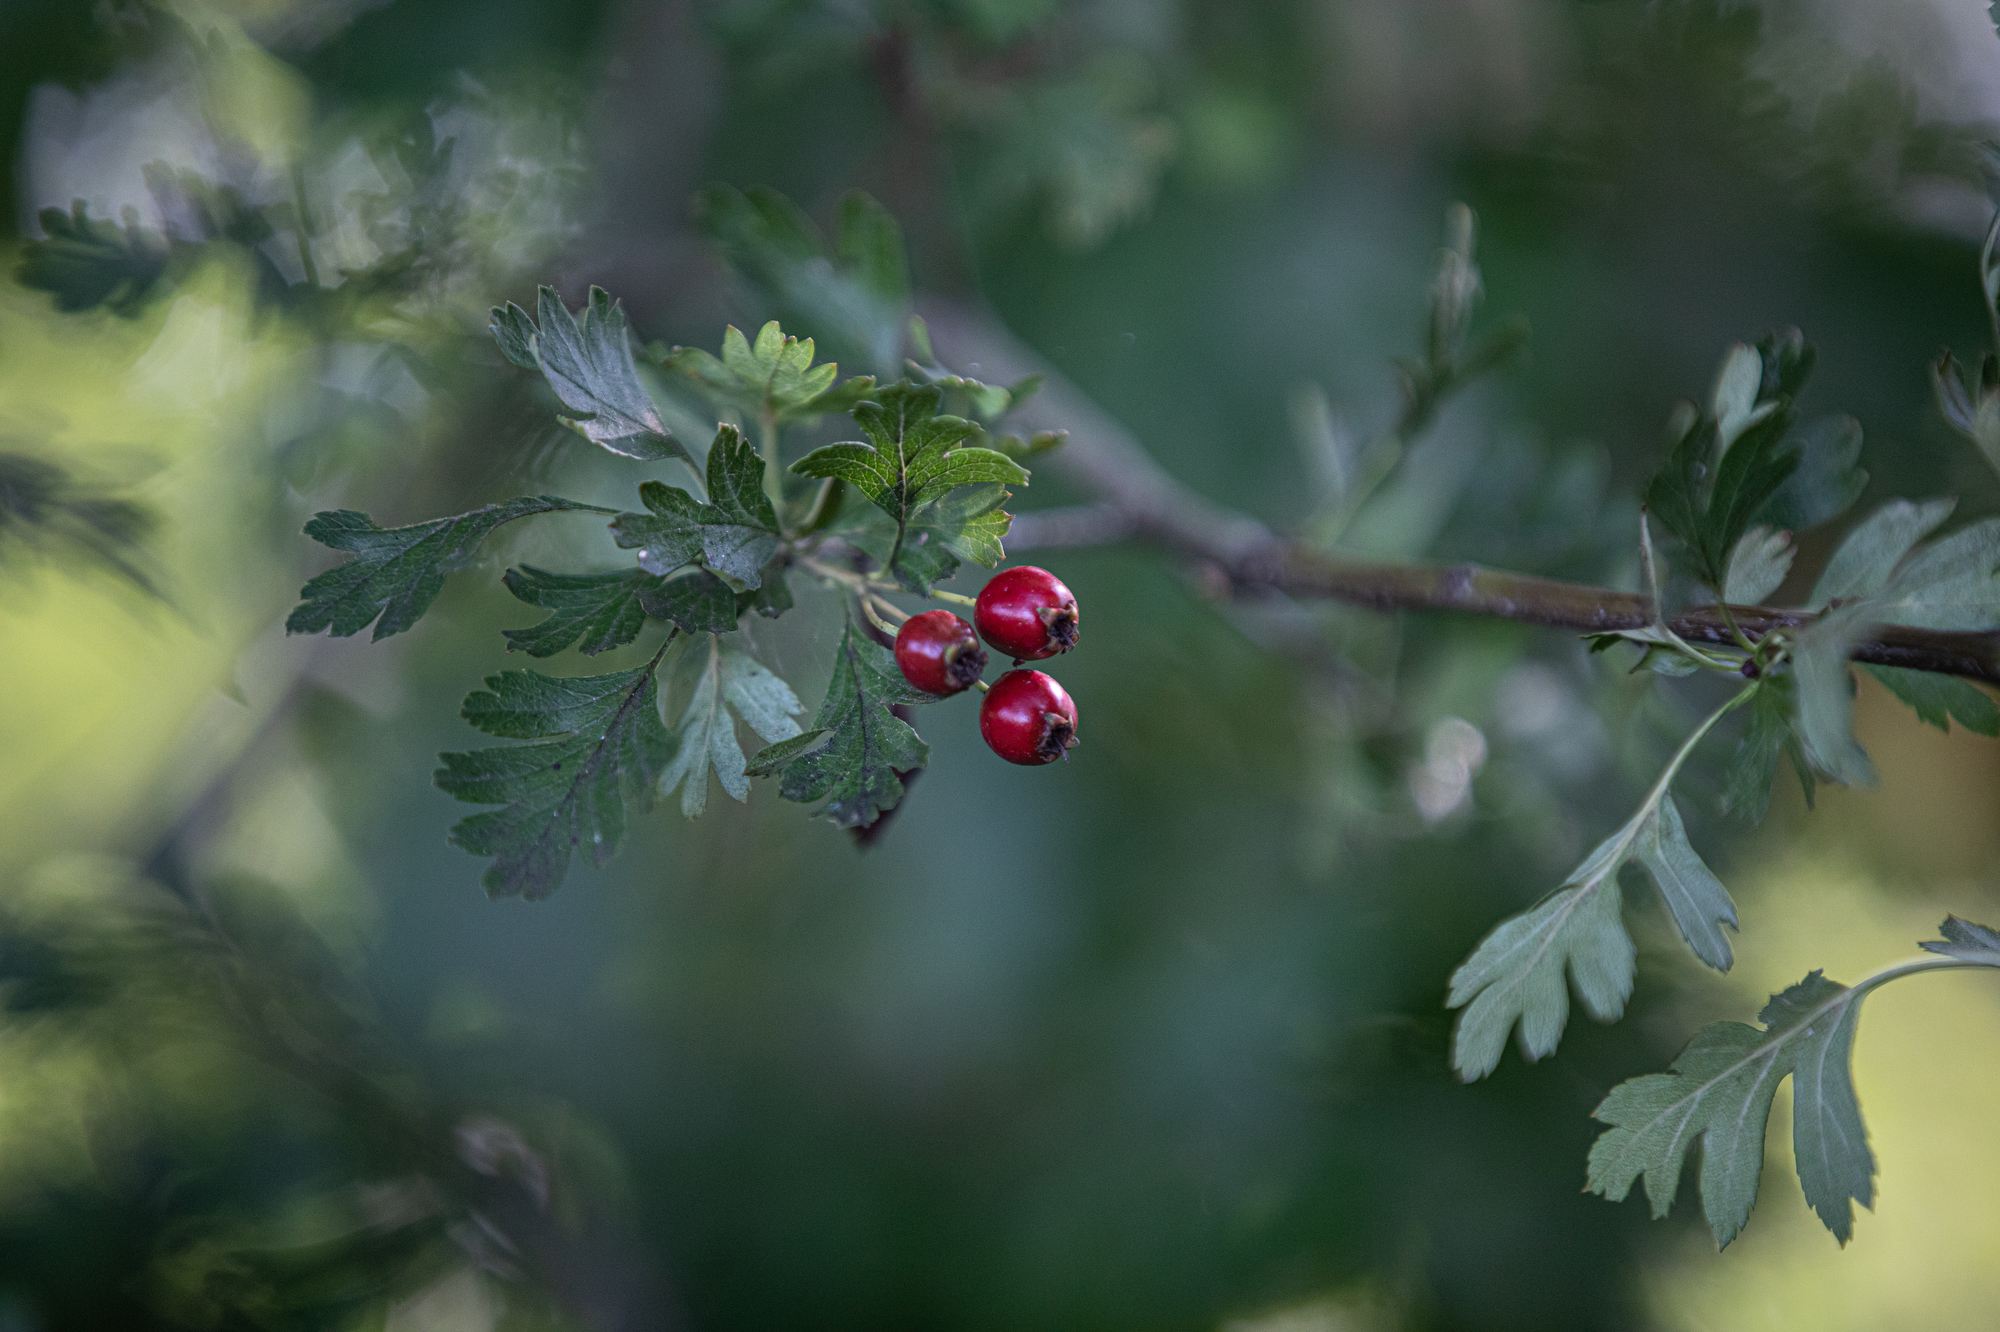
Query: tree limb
x=1137, y=498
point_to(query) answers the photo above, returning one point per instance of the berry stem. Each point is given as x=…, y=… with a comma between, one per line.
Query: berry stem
x=894, y=612
x=958, y=597
x=981, y=686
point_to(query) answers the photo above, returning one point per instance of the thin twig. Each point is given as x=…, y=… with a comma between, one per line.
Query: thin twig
x=1139, y=499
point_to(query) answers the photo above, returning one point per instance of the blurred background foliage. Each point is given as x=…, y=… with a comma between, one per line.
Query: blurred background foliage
x=1152, y=1041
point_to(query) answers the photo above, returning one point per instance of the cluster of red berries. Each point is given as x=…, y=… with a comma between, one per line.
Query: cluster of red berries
x=1026, y=613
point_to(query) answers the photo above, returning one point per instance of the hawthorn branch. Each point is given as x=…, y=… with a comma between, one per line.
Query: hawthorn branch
x=1137, y=498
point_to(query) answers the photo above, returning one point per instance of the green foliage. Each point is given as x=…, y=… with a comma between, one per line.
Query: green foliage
x=861, y=750
x=1771, y=731
x=1720, y=1090
x=735, y=533
x=600, y=742
x=46, y=512
x=1517, y=974
x=772, y=380
x=1940, y=699
x=603, y=610
x=858, y=290
x=728, y=681
x=967, y=524
x=1757, y=566
x=85, y=262
x=699, y=602
x=397, y=572
x=913, y=458
x=589, y=366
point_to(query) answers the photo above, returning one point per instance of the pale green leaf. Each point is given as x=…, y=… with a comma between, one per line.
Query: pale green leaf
x=1866, y=557
x=1700, y=905
x=728, y=681
x=1826, y=696
x=1757, y=566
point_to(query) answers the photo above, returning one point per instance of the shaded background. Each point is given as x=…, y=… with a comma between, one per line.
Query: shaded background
x=1151, y=1041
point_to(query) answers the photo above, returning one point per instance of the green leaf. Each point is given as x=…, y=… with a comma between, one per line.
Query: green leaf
x=1939, y=697
x=1757, y=566
x=1967, y=941
x=1949, y=584
x=601, y=742
x=1700, y=905
x=771, y=598
x=1869, y=554
x=856, y=295
x=967, y=523
x=1720, y=1091
x=1738, y=384
x=1727, y=465
x=735, y=533
x=773, y=377
x=1825, y=695
x=728, y=681
x=397, y=571
x=913, y=454
x=700, y=603
x=870, y=245
x=603, y=610
x=1517, y=974
x=1827, y=481
x=589, y=365
x=1754, y=768
x=859, y=770
x=768, y=761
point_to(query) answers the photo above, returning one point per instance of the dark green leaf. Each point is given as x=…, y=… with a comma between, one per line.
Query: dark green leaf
x=1938, y=697
x=562, y=794
x=602, y=610
x=397, y=571
x=768, y=761
x=859, y=770
x=736, y=533
x=772, y=598
x=87, y=262
x=700, y=603
x=1827, y=481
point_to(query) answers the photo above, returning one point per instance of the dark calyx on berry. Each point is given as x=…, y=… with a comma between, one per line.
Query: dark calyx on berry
x=938, y=653
x=1027, y=613
x=1028, y=718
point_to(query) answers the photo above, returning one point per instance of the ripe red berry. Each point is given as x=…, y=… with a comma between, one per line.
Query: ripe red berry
x=1027, y=613
x=938, y=653
x=1028, y=718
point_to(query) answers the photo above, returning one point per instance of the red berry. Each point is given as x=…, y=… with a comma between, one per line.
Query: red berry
x=1027, y=613
x=1028, y=718
x=938, y=653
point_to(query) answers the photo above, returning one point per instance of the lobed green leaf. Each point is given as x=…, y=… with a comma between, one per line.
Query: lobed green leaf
x=602, y=610
x=565, y=794
x=397, y=572
x=858, y=770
